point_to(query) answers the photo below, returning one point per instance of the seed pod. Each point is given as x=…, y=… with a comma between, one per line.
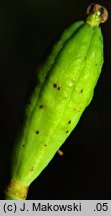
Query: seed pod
x=66, y=82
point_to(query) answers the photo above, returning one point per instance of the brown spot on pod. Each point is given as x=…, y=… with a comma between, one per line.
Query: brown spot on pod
x=54, y=85
x=81, y=91
x=67, y=131
x=41, y=106
x=37, y=132
x=69, y=122
x=45, y=145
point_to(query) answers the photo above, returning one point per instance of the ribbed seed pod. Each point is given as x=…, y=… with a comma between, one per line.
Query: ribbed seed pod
x=66, y=82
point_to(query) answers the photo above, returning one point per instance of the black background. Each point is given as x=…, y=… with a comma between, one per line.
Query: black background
x=27, y=27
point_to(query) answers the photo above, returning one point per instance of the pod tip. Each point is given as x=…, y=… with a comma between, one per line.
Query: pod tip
x=97, y=14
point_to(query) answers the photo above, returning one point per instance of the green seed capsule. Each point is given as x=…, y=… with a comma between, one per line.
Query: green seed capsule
x=66, y=82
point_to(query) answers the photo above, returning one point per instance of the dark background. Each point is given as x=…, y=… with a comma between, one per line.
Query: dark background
x=27, y=27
